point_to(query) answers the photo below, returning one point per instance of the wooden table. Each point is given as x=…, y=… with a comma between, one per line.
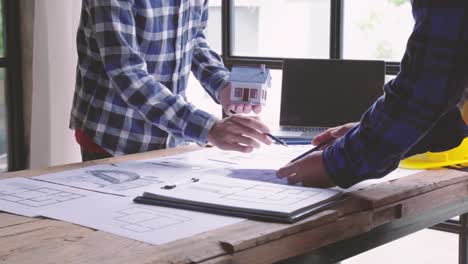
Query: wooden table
x=366, y=219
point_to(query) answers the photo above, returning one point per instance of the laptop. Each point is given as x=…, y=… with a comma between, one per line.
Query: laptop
x=319, y=94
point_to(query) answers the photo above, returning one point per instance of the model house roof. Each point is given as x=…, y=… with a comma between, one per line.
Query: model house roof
x=249, y=74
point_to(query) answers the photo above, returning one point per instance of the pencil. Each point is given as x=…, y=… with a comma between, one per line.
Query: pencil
x=277, y=140
x=316, y=148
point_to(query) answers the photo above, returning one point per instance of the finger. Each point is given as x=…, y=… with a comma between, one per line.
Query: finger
x=247, y=108
x=257, y=109
x=236, y=129
x=239, y=108
x=238, y=147
x=339, y=132
x=251, y=122
x=327, y=145
x=319, y=139
x=286, y=171
x=247, y=141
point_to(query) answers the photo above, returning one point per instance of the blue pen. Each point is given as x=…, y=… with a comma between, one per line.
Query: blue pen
x=277, y=140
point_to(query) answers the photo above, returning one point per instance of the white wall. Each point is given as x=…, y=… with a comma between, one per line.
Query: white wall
x=54, y=63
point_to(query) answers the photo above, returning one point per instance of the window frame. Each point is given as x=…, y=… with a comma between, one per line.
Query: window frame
x=336, y=40
x=11, y=63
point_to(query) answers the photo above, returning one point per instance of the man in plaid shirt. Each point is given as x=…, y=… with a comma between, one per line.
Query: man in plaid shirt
x=135, y=58
x=417, y=113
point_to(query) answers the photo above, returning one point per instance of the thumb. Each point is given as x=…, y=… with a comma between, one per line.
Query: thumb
x=339, y=132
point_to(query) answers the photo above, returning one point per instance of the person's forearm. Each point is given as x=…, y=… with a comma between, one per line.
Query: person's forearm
x=429, y=85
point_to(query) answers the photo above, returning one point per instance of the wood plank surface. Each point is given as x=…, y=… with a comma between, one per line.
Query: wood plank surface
x=306, y=241
x=8, y=220
x=251, y=234
x=392, y=191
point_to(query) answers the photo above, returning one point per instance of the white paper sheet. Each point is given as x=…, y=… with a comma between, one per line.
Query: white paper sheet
x=29, y=198
x=151, y=224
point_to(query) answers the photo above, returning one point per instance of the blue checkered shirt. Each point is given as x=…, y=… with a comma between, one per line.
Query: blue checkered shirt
x=134, y=60
x=417, y=112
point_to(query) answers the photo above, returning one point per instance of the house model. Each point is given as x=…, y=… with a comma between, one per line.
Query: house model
x=249, y=84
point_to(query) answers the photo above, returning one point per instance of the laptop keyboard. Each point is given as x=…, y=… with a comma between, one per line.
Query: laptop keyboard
x=314, y=130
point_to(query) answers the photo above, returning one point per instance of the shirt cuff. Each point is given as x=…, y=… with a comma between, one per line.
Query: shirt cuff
x=198, y=126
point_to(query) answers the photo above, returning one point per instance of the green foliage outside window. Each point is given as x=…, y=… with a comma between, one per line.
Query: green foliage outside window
x=398, y=2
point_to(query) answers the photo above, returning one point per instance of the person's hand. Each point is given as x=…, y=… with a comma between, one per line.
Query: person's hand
x=308, y=170
x=332, y=133
x=240, y=133
x=239, y=108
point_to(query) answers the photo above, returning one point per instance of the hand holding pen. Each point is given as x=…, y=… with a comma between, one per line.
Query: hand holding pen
x=308, y=167
x=326, y=139
x=276, y=139
x=239, y=133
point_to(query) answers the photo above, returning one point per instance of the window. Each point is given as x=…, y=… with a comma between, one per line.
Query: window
x=238, y=92
x=12, y=143
x=213, y=30
x=3, y=117
x=253, y=93
x=262, y=28
x=376, y=29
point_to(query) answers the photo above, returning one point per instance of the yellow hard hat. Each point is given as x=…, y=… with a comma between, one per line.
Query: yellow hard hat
x=454, y=157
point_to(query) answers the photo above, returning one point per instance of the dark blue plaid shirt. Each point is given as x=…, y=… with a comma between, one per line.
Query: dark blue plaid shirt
x=418, y=111
x=135, y=58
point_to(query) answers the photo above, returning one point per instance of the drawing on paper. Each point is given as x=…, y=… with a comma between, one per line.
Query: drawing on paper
x=142, y=220
x=114, y=176
x=37, y=197
x=256, y=193
x=117, y=180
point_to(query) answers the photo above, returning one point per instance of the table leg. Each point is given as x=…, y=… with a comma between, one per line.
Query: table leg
x=463, y=240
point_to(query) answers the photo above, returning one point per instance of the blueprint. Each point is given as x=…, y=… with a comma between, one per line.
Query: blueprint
x=28, y=197
x=147, y=223
x=120, y=179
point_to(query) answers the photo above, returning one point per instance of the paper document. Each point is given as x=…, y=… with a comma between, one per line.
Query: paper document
x=151, y=224
x=30, y=198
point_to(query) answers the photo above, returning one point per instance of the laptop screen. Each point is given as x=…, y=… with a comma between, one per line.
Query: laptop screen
x=327, y=93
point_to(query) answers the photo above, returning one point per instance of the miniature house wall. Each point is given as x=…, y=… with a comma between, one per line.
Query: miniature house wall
x=249, y=85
